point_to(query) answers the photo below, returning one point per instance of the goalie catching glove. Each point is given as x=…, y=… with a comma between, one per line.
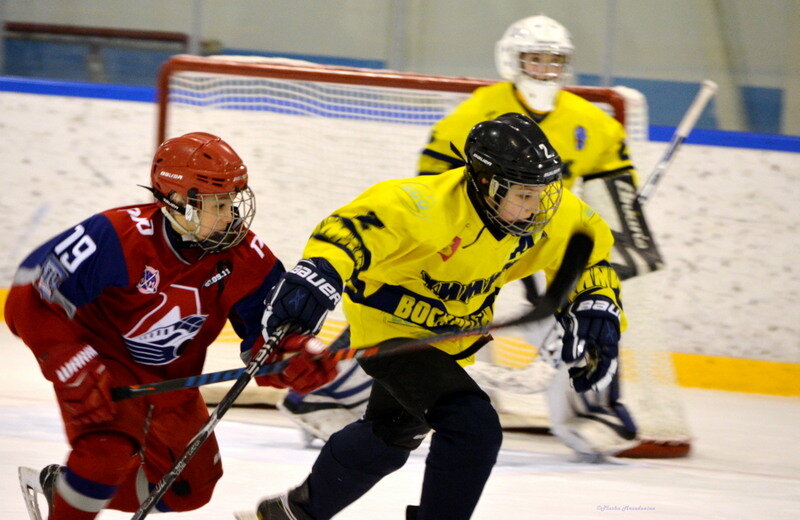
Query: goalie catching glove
x=591, y=341
x=305, y=372
x=82, y=383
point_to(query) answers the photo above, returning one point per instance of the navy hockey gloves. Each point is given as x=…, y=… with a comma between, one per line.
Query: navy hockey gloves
x=591, y=341
x=303, y=296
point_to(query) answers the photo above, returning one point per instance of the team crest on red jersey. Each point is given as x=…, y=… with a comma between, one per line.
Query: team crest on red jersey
x=149, y=282
x=161, y=336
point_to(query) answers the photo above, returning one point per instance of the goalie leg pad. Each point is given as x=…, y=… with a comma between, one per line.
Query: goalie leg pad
x=330, y=408
x=593, y=423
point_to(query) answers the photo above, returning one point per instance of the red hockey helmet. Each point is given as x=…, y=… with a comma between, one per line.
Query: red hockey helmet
x=197, y=161
x=198, y=166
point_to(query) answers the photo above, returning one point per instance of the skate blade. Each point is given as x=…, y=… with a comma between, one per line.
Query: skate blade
x=31, y=489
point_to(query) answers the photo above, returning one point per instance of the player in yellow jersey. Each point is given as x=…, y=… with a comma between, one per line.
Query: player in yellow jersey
x=534, y=57
x=414, y=257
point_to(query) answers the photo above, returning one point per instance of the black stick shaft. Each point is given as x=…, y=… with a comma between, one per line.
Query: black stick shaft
x=225, y=403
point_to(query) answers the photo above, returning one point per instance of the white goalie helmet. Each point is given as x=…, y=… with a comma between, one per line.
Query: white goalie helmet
x=535, y=54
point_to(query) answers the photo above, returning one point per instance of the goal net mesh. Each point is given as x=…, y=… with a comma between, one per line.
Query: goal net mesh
x=315, y=137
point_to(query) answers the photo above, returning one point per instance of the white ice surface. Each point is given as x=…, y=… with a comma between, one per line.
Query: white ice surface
x=745, y=463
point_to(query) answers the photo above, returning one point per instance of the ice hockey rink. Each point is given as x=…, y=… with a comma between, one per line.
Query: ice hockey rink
x=745, y=462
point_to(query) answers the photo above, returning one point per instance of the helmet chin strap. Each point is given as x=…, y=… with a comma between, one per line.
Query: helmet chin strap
x=538, y=95
x=187, y=210
x=186, y=235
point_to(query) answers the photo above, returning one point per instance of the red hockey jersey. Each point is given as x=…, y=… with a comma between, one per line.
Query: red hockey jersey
x=124, y=282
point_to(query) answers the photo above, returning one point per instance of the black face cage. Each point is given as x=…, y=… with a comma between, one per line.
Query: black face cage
x=522, y=225
x=243, y=208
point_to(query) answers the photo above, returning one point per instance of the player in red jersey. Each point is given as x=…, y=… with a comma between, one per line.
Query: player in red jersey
x=137, y=294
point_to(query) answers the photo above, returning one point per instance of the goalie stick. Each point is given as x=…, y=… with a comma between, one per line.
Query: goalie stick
x=707, y=90
x=576, y=256
x=507, y=378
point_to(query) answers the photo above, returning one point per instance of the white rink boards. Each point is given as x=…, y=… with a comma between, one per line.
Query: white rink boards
x=722, y=217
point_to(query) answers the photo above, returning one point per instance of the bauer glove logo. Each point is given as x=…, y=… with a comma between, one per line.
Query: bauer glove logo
x=598, y=305
x=313, y=278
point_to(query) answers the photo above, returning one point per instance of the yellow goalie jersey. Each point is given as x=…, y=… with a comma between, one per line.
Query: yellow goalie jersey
x=417, y=258
x=589, y=141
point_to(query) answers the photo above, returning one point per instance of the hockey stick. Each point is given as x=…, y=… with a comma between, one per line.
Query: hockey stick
x=224, y=404
x=575, y=258
x=707, y=90
x=502, y=378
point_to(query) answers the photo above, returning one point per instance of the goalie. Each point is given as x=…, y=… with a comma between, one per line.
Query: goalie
x=534, y=55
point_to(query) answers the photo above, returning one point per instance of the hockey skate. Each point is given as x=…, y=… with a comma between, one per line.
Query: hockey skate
x=33, y=483
x=280, y=507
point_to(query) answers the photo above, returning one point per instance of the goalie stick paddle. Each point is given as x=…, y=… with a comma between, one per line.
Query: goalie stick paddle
x=575, y=258
x=224, y=404
x=707, y=90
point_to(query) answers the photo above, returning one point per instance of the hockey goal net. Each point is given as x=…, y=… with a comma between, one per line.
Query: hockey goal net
x=314, y=137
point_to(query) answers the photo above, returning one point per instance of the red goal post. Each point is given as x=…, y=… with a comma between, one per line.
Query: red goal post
x=315, y=136
x=614, y=98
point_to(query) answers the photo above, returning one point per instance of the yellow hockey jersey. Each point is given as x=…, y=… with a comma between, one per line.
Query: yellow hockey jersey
x=418, y=259
x=589, y=141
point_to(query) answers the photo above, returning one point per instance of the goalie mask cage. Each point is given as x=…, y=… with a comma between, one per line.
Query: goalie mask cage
x=314, y=137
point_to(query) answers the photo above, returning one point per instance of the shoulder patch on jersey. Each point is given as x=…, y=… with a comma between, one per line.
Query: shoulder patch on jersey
x=580, y=137
x=450, y=250
x=418, y=198
x=149, y=282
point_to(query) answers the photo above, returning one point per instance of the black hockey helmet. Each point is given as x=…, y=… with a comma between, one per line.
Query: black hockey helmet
x=509, y=153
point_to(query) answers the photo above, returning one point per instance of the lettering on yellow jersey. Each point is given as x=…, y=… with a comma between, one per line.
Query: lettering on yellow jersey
x=450, y=250
x=454, y=290
x=369, y=220
x=597, y=277
x=427, y=315
x=341, y=231
x=523, y=245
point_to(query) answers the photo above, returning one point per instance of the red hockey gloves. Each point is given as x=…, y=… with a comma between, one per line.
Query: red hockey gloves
x=303, y=296
x=82, y=384
x=305, y=372
x=591, y=341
